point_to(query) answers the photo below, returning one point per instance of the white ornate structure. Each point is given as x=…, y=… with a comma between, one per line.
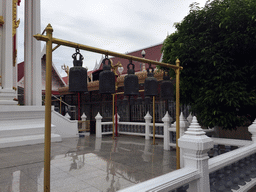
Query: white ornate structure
x=8, y=69
x=24, y=125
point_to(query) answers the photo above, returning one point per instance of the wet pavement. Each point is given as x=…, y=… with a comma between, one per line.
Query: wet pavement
x=85, y=164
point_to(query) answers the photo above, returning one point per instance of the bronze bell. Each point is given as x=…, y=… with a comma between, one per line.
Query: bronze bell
x=166, y=87
x=78, y=74
x=150, y=84
x=131, y=82
x=107, y=79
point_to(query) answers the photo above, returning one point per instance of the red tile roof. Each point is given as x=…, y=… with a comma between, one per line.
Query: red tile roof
x=65, y=79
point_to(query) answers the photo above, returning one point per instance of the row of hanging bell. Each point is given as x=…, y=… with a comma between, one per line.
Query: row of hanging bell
x=78, y=74
x=131, y=82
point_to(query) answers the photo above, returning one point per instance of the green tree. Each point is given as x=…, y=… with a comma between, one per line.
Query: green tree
x=216, y=45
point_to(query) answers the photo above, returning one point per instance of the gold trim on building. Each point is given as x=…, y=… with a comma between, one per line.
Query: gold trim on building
x=1, y=20
x=15, y=23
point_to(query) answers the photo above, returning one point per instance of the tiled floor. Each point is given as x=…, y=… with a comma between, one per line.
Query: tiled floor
x=85, y=164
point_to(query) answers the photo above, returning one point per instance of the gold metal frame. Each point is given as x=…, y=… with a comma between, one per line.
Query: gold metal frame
x=49, y=41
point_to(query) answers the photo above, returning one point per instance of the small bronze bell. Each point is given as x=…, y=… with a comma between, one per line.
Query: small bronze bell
x=107, y=78
x=166, y=87
x=131, y=82
x=78, y=74
x=150, y=85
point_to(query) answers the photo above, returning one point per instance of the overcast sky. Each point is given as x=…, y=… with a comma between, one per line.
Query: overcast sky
x=115, y=25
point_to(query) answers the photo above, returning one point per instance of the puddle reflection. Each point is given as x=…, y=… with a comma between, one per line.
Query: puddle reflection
x=105, y=164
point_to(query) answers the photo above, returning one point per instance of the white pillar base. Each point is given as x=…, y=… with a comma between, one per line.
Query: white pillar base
x=7, y=96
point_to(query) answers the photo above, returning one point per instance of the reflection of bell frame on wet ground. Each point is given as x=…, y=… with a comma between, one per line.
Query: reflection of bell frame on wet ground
x=49, y=41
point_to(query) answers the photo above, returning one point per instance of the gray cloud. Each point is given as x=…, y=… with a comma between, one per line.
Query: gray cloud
x=115, y=25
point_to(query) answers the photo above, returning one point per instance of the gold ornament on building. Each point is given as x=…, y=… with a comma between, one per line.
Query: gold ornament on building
x=15, y=23
x=14, y=57
x=1, y=20
x=65, y=68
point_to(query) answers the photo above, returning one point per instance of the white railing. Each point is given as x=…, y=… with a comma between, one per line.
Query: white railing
x=167, y=182
x=195, y=145
x=130, y=128
x=232, y=171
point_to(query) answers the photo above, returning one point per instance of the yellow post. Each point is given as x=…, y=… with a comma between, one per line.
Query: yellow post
x=48, y=90
x=60, y=104
x=113, y=116
x=177, y=113
x=154, y=121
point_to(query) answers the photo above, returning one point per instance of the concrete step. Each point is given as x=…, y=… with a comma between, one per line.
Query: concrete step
x=22, y=127
x=26, y=140
x=21, y=113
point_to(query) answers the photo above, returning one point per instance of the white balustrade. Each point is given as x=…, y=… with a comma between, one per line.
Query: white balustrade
x=196, y=165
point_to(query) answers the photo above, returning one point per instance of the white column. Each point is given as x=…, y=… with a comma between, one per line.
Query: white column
x=32, y=54
x=1, y=33
x=7, y=94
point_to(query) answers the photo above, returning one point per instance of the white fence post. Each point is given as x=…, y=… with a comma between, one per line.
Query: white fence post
x=67, y=116
x=183, y=124
x=98, y=125
x=83, y=117
x=166, y=120
x=147, y=118
x=252, y=130
x=183, y=127
x=195, y=145
x=189, y=118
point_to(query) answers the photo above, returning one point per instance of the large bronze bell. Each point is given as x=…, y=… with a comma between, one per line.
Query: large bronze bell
x=77, y=74
x=150, y=84
x=131, y=82
x=107, y=78
x=166, y=87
